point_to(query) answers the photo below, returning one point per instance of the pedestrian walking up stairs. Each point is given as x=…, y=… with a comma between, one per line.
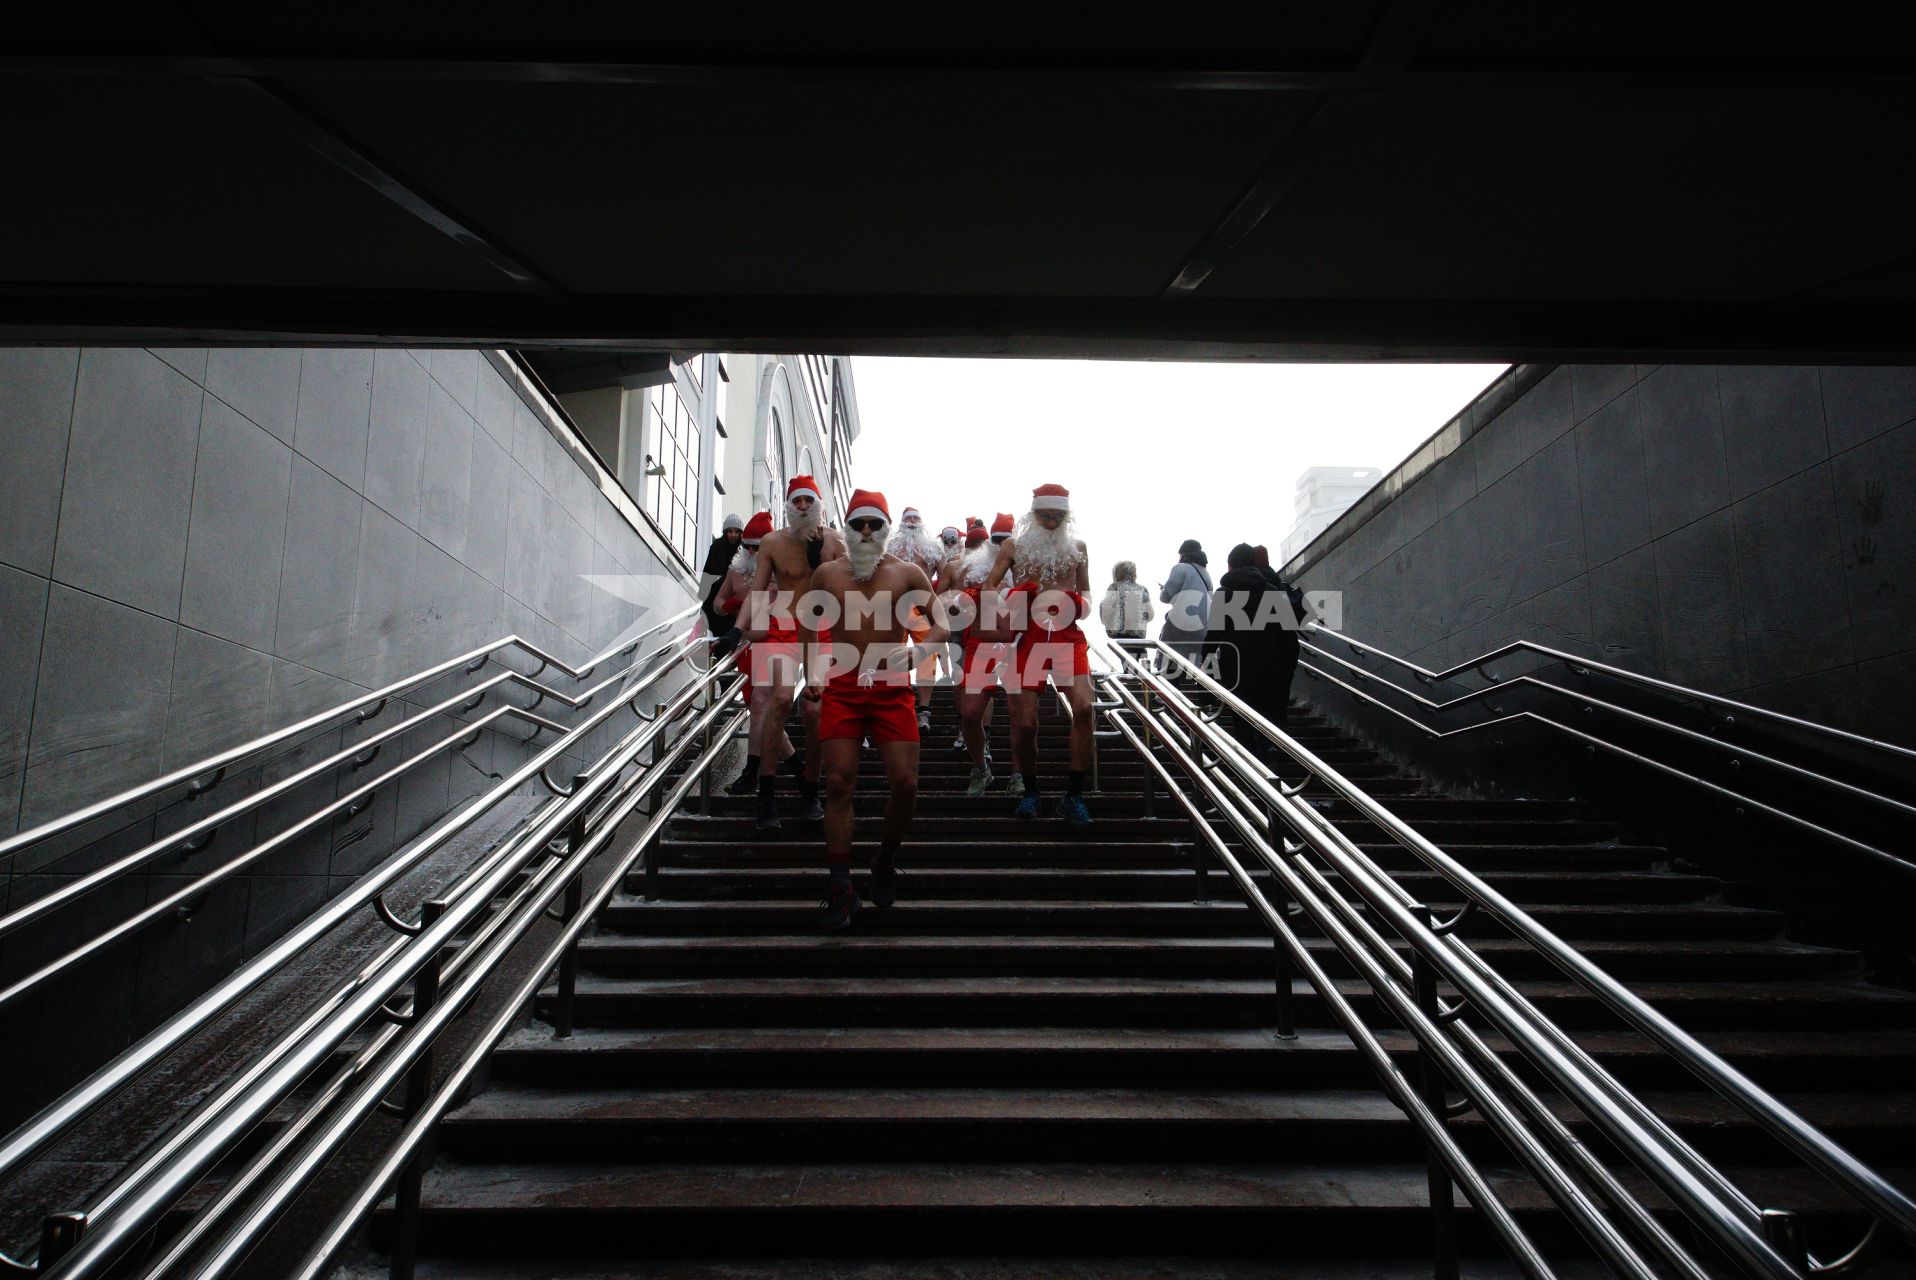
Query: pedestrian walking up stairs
x=1320, y=1020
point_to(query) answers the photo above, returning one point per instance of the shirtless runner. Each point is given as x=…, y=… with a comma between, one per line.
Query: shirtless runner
x=787, y=559
x=868, y=695
x=915, y=546
x=1049, y=568
x=984, y=651
x=730, y=598
x=945, y=583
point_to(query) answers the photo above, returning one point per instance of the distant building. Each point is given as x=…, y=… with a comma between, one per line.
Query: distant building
x=695, y=437
x=1323, y=494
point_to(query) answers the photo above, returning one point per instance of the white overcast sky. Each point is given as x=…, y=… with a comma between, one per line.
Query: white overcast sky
x=1153, y=453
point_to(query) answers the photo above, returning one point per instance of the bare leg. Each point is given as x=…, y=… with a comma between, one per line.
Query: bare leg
x=973, y=710
x=1024, y=731
x=841, y=780
x=901, y=775
x=1078, y=692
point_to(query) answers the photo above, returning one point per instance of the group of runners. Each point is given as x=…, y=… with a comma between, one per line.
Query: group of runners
x=863, y=622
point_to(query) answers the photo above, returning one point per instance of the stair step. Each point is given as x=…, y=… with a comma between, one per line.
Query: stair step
x=1082, y=1001
x=990, y=1208
x=518, y=1121
x=935, y=882
x=1152, y=956
x=1053, y=847
x=1221, y=917
x=991, y=816
x=778, y=1055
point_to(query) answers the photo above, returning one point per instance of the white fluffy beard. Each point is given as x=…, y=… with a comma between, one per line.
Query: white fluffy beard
x=803, y=523
x=745, y=561
x=1044, y=553
x=912, y=543
x=978, y=562
x=865, y=550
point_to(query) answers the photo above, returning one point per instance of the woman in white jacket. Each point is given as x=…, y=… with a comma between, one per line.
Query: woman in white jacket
x=1126, y=606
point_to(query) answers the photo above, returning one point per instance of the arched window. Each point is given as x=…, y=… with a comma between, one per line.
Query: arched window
x=775, y=464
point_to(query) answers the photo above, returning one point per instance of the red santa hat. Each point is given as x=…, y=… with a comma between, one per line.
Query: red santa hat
x=756, y=528
x=973, y=520
x=866, y=503
x=908, y=513
x=975, y=534
x=802, y=487
x=1003, y=525
x=1051, y=497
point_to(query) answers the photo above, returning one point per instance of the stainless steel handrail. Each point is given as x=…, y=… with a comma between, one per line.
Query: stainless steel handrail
x=1664, y=686
x=150, y=1187
x=1885, y=857
x=1664, y=726
x=55, y=1119
x=158, y=910
x=1810, y=1144
x=420, y=1126
x=377, y=700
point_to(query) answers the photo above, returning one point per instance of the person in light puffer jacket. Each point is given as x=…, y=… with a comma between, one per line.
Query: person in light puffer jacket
x=1126, y=606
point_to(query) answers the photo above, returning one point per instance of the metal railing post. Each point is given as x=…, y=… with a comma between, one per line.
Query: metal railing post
x=59, y=1232
x=706, y=701
x=1286, y=1000
x=425, y=994
x=1430, y=1084
x=574, y=892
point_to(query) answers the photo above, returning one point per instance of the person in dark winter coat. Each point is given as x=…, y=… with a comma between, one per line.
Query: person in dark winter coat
x=717, y=560
x=1253, y=641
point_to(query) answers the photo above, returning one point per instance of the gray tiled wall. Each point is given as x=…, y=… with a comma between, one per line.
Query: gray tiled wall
x=197, y=546
x=1743, y=530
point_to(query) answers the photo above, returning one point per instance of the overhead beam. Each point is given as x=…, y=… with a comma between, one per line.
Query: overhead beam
x=242, y=82
x=1515, y=74
x=1593, y=330
x=1392, y=44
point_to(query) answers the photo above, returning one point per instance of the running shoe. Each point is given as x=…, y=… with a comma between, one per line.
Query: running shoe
x=814, y=810
x=840, y=905
x=1075, y=813
x=981, y=777
x=741, y=786
x=1016, y=787
x=767, y=819
x=924, y=723
x=1027, y=810
x=958, y=747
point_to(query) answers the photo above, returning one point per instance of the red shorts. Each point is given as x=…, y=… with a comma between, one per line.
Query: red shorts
x=1056, y=655
x=779, y=658
x=985, y=661
x=884, y=711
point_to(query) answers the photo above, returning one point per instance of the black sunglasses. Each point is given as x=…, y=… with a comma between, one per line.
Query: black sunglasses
x=866, y=524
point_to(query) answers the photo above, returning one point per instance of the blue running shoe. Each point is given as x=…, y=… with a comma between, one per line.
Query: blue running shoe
x=1027, y=810
x=1074, y=812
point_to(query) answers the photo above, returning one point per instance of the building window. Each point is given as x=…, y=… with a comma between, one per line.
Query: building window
x=841, y=445
x=667, y=480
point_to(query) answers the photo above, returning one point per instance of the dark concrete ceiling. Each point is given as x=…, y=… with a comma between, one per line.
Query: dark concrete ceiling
x=1340, y=180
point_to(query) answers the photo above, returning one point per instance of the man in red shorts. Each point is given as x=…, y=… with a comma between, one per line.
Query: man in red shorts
x=729, y=600
x=787, y=558
x=984, y=652
x=913, y=544
x=1050, y=574
x=869, y=695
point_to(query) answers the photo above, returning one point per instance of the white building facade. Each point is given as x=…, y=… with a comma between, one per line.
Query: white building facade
x=1323, y=494
x=712, y=434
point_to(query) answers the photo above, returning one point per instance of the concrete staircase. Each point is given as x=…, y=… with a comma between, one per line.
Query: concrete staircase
x=1054, y=1056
